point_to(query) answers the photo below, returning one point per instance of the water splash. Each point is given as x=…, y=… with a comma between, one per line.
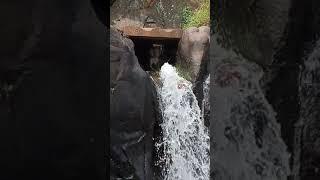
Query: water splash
x=185, y=137
x=205, y=102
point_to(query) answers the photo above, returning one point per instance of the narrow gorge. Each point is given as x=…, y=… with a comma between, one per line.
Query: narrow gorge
x=254, y=76
x=159, y=100
x=162, y=135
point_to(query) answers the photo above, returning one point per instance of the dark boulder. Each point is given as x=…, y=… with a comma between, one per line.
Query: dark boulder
x=282, y=37
x=307, y=136
x=306, y=154
x=52, y=102
x=246, y=139
x=133, y=111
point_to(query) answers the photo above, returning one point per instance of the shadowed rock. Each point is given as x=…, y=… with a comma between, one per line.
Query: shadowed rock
x=307, y=139
x=281, y=37
x=133, y=113
x=246, y=141
x=52, y=67
x=252, y=28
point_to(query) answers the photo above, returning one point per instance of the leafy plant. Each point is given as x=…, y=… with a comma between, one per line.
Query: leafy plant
x=200, y=17
x=186, y=16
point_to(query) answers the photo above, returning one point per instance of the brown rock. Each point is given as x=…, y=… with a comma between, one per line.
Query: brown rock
x=193, y=51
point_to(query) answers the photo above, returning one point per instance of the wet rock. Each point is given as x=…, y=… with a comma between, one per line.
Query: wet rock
x=133, y=112
x=285, y=46
x=293, y=65
x=252, y=28
x=246, y=134
x=308, y=126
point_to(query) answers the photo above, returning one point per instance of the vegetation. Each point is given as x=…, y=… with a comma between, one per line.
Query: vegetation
x=183, y=72
x=198, y=17
x=186, y=16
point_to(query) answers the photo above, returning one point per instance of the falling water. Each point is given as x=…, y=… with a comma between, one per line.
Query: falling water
x=205, y=101
x=185, y=138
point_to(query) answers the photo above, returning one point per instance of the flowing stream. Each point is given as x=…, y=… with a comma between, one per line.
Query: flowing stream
x=185, y=137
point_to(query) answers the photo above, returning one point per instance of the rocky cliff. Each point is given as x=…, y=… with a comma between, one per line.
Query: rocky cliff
x=134, y=113
x=280, y=39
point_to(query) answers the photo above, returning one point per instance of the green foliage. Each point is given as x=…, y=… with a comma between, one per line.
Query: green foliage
x=200, y=17
x=183, y=72
x=186, y=16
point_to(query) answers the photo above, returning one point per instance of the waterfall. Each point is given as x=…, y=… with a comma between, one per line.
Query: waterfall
x=206, y=97
x=185, y=138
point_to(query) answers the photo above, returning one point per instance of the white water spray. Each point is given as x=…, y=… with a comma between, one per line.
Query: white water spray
x=206, y=96
x=185, y=137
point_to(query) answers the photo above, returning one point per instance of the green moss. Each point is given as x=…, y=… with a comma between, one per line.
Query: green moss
x=197, y=18
x=183, y=72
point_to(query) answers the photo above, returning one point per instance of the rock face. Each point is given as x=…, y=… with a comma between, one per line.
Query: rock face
x=292, y=90
x=193, y=58
x=148, y=13
x=285, y=47
x=193, y=51
x=133, y=108
x=52, y=109
x=252, y=28
x=306, y=162
x=308, y=127
x=246, y=139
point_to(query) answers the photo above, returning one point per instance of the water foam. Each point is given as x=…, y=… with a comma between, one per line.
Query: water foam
x=186, y=140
